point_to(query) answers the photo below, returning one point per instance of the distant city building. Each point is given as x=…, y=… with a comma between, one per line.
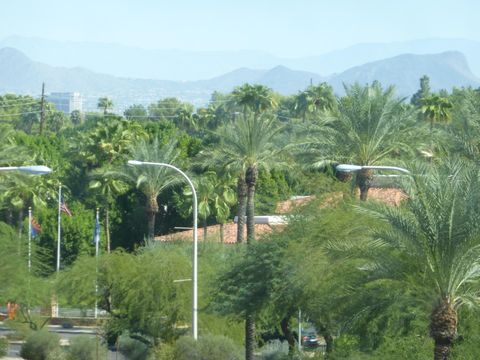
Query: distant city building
x=66, y=101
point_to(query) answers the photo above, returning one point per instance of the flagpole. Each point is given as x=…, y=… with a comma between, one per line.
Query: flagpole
x=55, y=305
x=97, y=241
x=59, y=230
x=29, y=239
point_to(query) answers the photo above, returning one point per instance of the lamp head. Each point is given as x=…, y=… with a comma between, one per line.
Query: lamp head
x=348, y=167
x=35, y=169
x=134, y=162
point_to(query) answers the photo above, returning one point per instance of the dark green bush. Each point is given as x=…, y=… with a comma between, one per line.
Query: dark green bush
x=213, y=347
x=3, y=346
x=85, y=348
x=132, y=349
x=39, y=344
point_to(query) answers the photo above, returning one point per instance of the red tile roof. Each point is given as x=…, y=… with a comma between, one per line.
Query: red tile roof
x=389, y=196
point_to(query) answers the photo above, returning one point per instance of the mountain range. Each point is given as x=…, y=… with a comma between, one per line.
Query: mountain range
x=184, y=65
x=20, y=74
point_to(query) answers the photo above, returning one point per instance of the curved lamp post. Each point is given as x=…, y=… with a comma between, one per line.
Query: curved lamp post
x=195, y=242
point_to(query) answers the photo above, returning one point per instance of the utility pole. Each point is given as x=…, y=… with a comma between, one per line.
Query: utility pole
x=42, y=109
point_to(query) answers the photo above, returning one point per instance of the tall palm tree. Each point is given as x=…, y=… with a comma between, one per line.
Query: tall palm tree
x=432, y=245
x=150, y=180
x=246, y=146
x=372, y=127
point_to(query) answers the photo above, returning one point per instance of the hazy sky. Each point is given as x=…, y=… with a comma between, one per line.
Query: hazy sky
x=281, y=27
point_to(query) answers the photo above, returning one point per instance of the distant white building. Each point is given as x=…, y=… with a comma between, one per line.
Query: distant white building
x=66, y=101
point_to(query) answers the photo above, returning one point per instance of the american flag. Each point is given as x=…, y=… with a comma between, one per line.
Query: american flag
x=36, y=228
x=64, y=208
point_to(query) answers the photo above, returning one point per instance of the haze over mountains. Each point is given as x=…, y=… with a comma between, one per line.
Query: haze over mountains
x=183, y=65
x=20, y=74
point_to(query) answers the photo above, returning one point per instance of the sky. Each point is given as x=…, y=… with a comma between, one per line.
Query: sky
x=279, y=27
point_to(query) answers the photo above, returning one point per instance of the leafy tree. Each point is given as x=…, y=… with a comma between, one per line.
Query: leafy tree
x=136, y=112
x=105, y=103
x=76, y=117
x=422, y=93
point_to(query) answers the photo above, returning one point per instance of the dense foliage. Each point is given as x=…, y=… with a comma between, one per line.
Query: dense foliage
x=373, y=280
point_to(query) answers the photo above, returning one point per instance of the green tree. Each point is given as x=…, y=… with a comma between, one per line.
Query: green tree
x=105, y=103
x=247, y=145
x=150, y=180
x=436, y=109
x=423, y=92
x=313, y=100
x=372, y=128
x=256, y=98
x=136, y=112
x=432, y=245
x=108, y=188
x=215, y=197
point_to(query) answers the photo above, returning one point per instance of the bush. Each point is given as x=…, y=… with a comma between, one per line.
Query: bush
x=3, y=346
x=39, y=345
x=85, y=348
x=274, y=350
x=213, y=347
x=132, y=349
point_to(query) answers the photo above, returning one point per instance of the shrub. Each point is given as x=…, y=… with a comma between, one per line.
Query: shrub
x=3, y=346
x=85, y=348
x=132, y=349
x=213, y=347
x=274, y=350
x=39, y=344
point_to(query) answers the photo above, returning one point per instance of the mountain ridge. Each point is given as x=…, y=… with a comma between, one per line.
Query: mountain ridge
x=21, y=75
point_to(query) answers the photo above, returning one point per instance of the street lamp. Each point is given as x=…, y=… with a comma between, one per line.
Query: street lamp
x=195, y=240
x=353, y=168
x=32, y=169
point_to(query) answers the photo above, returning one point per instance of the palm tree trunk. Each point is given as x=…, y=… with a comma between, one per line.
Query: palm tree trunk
x=249, y=336
x=222, y=232
x=443, y=329
x=242, y=207
x=364, y=181
x=152, y=210
x=285, y=326
x=204, y=230
x=251, y=180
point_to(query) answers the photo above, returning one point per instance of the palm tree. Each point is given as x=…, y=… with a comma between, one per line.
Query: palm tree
x=247, y=145
x=432, y=245
x=313, y=100
x=107, y=188
x=215, y=196
x=256, y=98
x=436, y=109
x=150, y=180
x=371, y=128
x=105, y=103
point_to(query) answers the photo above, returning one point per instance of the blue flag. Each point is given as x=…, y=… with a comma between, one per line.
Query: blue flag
x=96, y=232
